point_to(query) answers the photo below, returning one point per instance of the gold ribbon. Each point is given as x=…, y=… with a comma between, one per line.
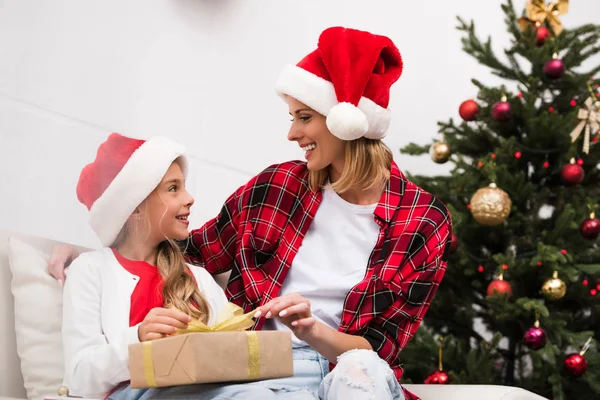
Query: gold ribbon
x=253, y=355
x=148, y=364
x=538, y=13
x=590, y=119
x=230, y=319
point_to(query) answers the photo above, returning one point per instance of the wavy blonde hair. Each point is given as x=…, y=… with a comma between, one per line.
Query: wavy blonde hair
x=180, y=289
x=367, y=164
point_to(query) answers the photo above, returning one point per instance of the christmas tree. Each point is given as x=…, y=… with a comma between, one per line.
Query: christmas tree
x=524, y=193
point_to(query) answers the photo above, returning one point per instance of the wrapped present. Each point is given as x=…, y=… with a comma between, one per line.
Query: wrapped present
x=223, y=352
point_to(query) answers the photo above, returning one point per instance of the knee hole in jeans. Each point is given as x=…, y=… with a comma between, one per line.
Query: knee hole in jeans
x=353, y=371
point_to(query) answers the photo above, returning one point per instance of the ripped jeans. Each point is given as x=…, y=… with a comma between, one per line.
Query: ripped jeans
x=359, y=374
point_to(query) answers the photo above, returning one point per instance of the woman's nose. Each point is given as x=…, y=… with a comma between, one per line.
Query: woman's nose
x=294, y=133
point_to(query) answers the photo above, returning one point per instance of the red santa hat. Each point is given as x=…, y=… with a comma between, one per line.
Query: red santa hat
x=124, y=173
x=347, y=79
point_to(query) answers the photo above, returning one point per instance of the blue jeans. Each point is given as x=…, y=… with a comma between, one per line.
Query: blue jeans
x=359, y=374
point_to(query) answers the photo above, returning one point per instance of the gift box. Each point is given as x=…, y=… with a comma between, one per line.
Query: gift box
x=223, y=352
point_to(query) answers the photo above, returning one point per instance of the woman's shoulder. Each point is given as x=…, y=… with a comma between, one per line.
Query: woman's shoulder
x=293, y=175
x=424, y=202
x=295, y=169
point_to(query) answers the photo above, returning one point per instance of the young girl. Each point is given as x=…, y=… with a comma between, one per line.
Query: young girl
x=127, y=292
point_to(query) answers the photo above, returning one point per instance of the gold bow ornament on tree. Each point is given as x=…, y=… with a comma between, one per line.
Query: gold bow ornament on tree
x=590, y=120
x=539, y=13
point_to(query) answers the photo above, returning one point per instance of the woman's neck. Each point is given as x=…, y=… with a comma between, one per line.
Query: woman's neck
x=138, y=250
x=363, y=197
x=357, y=196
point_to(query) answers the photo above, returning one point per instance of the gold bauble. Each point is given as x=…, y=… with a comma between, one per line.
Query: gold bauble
x=63, y=391
x=440, y=152
x=490, y=205
x=554, y=288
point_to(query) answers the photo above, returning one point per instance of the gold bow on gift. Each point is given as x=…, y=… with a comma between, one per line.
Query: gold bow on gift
x=538, y=13
x=231, y=318
x=590, y=119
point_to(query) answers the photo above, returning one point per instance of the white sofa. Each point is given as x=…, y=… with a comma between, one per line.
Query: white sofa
x=30, y=350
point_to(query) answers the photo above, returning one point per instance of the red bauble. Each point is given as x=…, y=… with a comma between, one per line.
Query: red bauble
x=575, y=365
x=554, y=69
x=541, y=36
x=590, y=228
x=454, y=244
x=501, y=111
x=572, y=174
x=437, y=378
x=499, y=287
x=468, y=110
x=535, y=338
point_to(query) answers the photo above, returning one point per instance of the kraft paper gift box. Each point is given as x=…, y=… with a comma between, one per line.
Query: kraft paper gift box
x=223, y=352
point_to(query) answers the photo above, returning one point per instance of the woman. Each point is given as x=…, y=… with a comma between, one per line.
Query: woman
x=341, y=249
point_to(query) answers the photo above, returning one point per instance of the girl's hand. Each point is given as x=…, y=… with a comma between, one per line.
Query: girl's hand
x=160, y=322
x=292, y=310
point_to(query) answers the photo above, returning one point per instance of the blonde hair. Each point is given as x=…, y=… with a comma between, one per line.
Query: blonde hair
x=180, y=290
x=367, y=164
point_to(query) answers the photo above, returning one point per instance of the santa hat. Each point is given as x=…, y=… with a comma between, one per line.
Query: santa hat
x=347, y=79
x=124, y=173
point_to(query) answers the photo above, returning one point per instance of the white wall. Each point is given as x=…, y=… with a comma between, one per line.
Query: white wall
x=201, y=72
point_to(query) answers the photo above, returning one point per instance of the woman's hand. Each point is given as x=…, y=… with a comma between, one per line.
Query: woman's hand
x=62, y=255
x=293, y=311
x=160, y=322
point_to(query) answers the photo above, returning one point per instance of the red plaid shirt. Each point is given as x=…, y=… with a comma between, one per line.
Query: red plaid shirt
x=260, y=229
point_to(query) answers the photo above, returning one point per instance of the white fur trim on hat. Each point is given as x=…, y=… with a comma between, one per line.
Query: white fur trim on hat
x=137, y=179
x=319, y=94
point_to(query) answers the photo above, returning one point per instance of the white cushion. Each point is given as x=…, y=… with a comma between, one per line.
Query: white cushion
x=462, y=392
x=38, y=316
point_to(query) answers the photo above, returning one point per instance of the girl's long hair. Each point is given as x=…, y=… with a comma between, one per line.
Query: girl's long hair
x=180, y=290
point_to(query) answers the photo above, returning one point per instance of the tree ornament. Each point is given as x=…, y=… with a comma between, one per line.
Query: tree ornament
x=468, y=110
x=490, y=205
x=502, y=111
x=499, y=287
x=454, y=244
x=572, y=174
x=535, y=338
x=555, y=68
x=590, y=227
x=539, y=14
x=541, y=35
x=440, y=152
x=554, y=288
x=438, y=377
x=590, y=121
x=575, y=364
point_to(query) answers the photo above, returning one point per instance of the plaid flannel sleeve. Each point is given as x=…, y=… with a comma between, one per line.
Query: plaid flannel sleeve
x=213, y=246
x=407, y=297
